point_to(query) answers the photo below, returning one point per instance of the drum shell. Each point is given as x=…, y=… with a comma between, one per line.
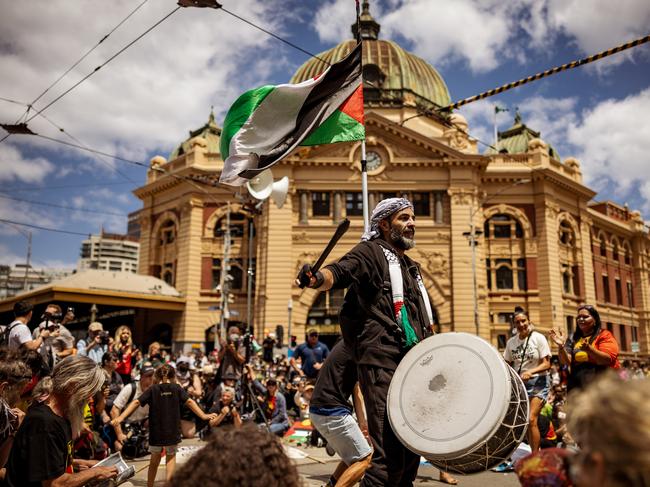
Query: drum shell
x=455, y=401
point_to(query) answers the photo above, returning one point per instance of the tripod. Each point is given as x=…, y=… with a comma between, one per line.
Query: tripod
x=250, y=402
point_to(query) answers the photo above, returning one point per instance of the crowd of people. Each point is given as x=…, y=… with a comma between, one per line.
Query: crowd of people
x=66, y=403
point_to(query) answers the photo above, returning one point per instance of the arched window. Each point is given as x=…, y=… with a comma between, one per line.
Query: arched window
x=238, y=223
x=627, y=254
x=603, y=247
x=566, y=234
x=615, y=251
x=503, y=226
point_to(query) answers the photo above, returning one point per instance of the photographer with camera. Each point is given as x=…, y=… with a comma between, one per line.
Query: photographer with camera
x=96, y=344
x=136, y=420
x=16, y=335
x=232, y=354
x=60, y=342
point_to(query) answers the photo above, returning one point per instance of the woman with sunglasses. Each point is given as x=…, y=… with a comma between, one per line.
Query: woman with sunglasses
x=528, y=353
x=590, y=351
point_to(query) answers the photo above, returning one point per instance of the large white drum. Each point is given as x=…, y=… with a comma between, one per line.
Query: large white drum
x=455, y=401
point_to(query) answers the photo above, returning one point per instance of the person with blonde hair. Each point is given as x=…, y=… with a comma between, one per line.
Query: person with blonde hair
x=126, y=352
x=610, y=421
x=42, y=449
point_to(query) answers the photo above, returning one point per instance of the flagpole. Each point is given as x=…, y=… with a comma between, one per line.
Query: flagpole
x=364, y=164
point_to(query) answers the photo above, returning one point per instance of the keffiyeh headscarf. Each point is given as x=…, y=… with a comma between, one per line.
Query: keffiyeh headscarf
x=383, y=210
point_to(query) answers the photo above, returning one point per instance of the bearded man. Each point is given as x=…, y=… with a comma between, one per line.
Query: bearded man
x=386, y=311
x=42, y=449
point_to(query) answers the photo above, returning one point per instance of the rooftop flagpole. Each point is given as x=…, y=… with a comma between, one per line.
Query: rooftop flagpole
x=364, y=164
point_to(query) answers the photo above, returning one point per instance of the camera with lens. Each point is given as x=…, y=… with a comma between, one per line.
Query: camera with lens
x=51, y=317
x=104, y=337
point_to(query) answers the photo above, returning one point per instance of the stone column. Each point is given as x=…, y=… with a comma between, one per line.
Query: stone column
x=462, y=284
x=304, y=206
x=437, y=196
x=551, y=309
x=277, y=267
x=587, y=257
x=372, y=202
x=338, y=206
x=188, y=272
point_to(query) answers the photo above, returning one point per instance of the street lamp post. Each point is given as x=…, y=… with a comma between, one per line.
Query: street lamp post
x=472, y=236
x=289, y=310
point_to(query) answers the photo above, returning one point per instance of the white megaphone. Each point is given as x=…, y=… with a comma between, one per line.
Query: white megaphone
x=262, y=186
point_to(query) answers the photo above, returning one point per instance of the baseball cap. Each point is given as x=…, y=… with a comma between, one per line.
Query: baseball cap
x=312, y=332
x=96, y=326
x=147, y=368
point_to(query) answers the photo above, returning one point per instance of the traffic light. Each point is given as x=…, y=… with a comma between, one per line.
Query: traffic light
x=294, y=340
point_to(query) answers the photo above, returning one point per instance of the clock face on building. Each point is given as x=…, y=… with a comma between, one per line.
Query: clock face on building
x=373, y=161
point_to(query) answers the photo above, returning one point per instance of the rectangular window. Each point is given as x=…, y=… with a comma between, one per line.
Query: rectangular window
x=606, y=289
x=502, y=231
x=504, y=274
x=320, y=204
x=502, y=339
x=489, y=273
x=566, y=280
x=630, y=295
x=522, y=282
x=624, y=342
x=422, y=204
x=505, y=318
x=635, y=333
x=619, y=291
x=353, y=204
x=569, y=325
x=575, y=271
x=610, y=327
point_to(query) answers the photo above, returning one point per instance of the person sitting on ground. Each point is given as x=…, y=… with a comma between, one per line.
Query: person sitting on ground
x=226, y=410
x=273, y=404
x=226, y=460
x=96, y=344
x=42, y=450
x=165, y=399
x=126, y=396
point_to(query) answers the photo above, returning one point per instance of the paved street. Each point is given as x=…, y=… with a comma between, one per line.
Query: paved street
x=316, y=467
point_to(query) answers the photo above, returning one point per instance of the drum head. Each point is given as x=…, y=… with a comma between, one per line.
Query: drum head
x=448, y=394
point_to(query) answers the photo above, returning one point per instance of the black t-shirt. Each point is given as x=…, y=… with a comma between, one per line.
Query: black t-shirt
x=42, y=448
x=228, y=418
x=165, y=401
x=367, y=318
x=336, y=380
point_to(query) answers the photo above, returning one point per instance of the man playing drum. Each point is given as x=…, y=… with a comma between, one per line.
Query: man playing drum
x=386, y=311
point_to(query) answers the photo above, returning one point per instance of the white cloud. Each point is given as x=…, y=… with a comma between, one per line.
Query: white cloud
x=15, y=166
x=149, y=95
x=484, y=33
x=612, y=143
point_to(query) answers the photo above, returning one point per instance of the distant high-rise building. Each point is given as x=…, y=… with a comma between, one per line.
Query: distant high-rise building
x=19, y=278
x=133, y=225
x=111, y=252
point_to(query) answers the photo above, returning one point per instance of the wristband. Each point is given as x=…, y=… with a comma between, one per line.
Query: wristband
x=320, y=279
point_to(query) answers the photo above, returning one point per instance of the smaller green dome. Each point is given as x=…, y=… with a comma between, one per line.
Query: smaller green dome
x=515, y=140
x=210, y=132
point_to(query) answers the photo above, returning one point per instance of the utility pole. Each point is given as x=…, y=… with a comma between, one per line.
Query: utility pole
x=249, y=281
x=224, y=283
x=29, y=256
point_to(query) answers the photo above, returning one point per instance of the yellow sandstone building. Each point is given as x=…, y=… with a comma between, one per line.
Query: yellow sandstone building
x=541, y=240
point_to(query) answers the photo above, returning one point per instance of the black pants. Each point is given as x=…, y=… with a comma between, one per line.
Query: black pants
x=392, y=463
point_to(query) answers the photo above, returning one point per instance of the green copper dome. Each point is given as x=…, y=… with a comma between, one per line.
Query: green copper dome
x=392, y=76
x=515, y=140
x=210, y=132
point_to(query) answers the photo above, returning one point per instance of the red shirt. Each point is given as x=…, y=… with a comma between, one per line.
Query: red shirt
x=605, y=342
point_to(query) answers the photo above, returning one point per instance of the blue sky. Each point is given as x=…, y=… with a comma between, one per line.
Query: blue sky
x=146, y=100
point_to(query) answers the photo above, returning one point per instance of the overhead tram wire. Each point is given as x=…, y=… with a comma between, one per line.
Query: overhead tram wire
x=47, y=229
x=67, y=186
x=548, y=72
x=30, y=105
x=89, y=51
x=64, y=207
x=106, y=62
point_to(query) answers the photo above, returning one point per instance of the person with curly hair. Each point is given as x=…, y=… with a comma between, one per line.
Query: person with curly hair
x=591, y=350
x=261, y=457
x=126, y=352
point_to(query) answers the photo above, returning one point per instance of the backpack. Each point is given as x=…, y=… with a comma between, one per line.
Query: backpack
x=4, y=335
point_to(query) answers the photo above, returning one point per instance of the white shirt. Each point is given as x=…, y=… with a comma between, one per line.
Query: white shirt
x=122, y=398
x=18, y=335
x=536, y=350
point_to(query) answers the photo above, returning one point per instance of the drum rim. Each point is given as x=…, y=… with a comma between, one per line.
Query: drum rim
x=450, y=339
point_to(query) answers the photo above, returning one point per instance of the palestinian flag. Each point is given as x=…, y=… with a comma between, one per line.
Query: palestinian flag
x=265, y=124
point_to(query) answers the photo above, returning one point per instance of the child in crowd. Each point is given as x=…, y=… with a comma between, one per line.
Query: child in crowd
x=165, y=399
